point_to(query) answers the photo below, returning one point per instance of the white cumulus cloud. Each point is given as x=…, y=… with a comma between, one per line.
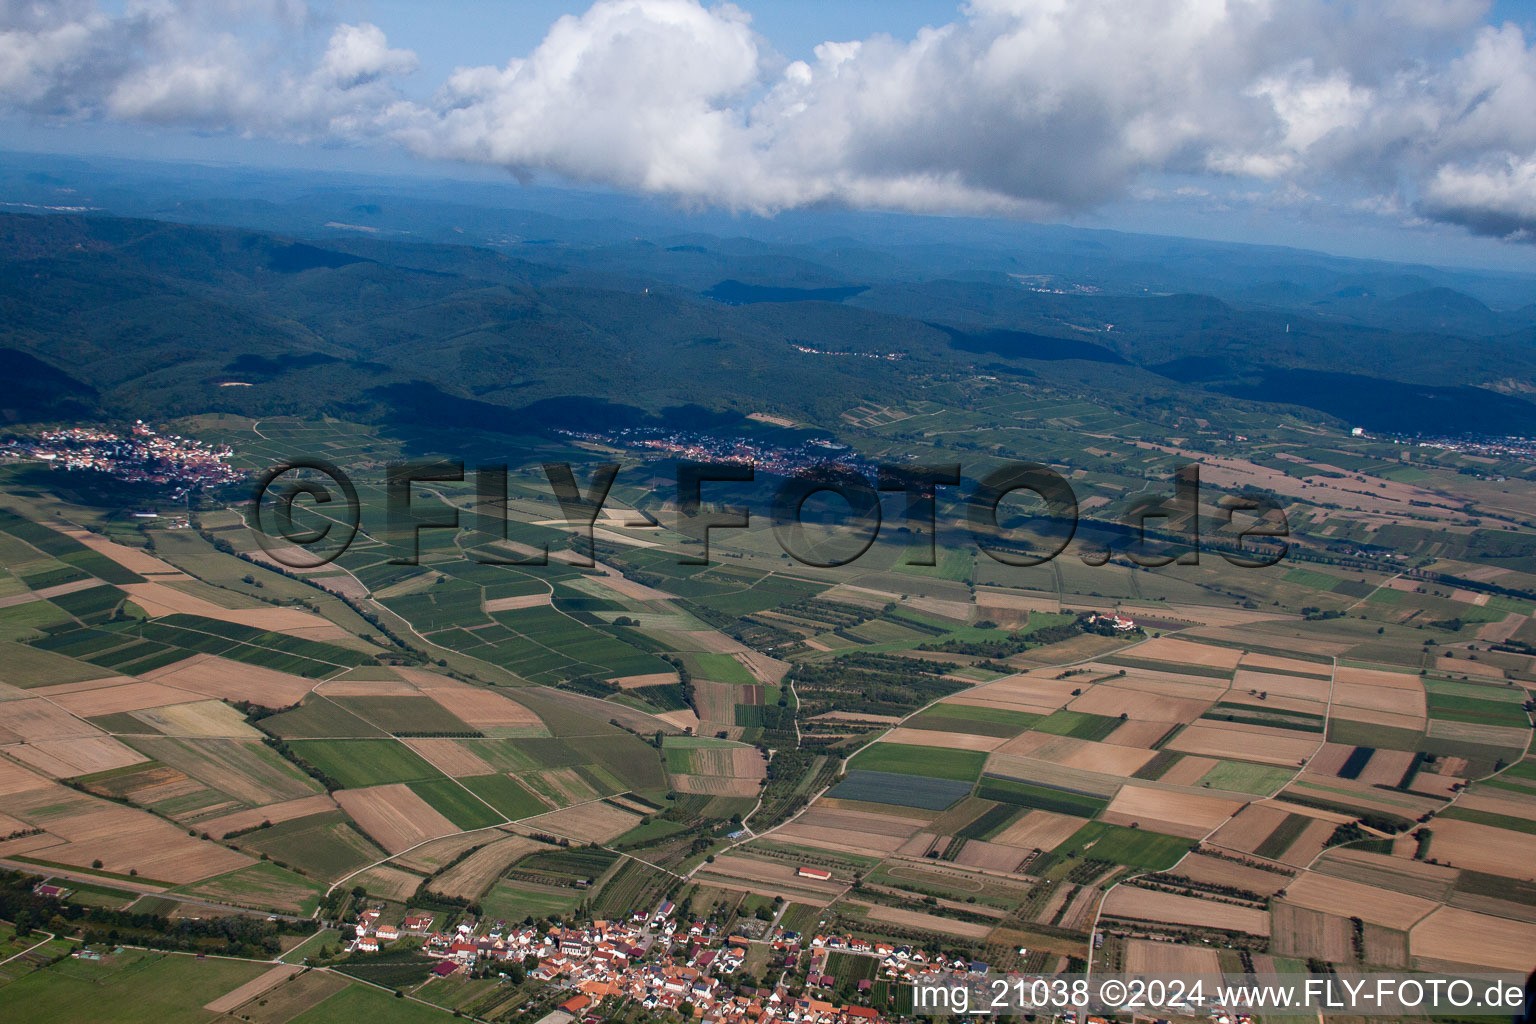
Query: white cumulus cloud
x=1025, y=107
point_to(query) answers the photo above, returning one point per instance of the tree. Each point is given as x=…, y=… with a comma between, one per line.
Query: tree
x=23, y=923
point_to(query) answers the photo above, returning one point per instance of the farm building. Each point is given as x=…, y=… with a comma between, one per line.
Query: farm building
x=816, y=873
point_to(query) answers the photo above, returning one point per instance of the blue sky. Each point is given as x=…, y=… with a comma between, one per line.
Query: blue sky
x=1397, y=128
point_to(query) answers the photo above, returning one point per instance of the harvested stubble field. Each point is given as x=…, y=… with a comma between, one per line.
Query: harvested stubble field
x=62, y=759
x=33, y=719
x=246, y=770
x=1139, y=705
x=1220, y=871
x=591, y=822
x=473, y=875
x=1500, y=943
x=429, y=858
x=815, y=828
x=1169, y=959
x=118, y=695
x=1188, y=770
x=1293, y=687
x=989, y=856
x=448, y=756
x=1036, y=691
x=1398, y=874
x=1089, y=755
x=1252, y=826
x=209, y=718
x=954, y=740
x=1185, y=652
x=233, y=680
x=1150, y=905
x=394, y=816
x=277, y=813
x=928, y=922
x=1132, y=733
x=388, y=882
x=1039, y=830
x=123, y=838
x=1232, y=740
x=1328, y=894
x=1497, y=851
x=1376, y=697
x=251, y=989
x=1191, y=815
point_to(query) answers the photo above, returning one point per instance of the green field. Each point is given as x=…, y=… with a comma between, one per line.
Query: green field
x=1132, y=847
x=408, y=715
x=506, y=794
x=363, y=1004
x=139, y=987
x=513, y=901
x=320, y=718
x=455, y=803
x=1242, y=777
x=262, y=886
x=358, y=763
x=324, y=845
x=722, y=668
x=1025, y=794
x=969, y=718
x=1077, y=724
x=908, y=759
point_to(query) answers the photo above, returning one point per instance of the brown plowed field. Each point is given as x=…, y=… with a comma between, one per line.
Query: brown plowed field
x=1150, y=905
x=394, y=816
x=1300, y=932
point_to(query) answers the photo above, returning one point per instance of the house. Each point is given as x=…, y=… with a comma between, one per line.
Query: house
x=367, y=944
x=387, y=933
x=576, y=1004
x=418, y=923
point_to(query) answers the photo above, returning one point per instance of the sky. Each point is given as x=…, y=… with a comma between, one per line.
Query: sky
x=1392, y=128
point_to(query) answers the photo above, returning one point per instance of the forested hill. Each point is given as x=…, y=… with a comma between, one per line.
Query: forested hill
x=151, y=318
